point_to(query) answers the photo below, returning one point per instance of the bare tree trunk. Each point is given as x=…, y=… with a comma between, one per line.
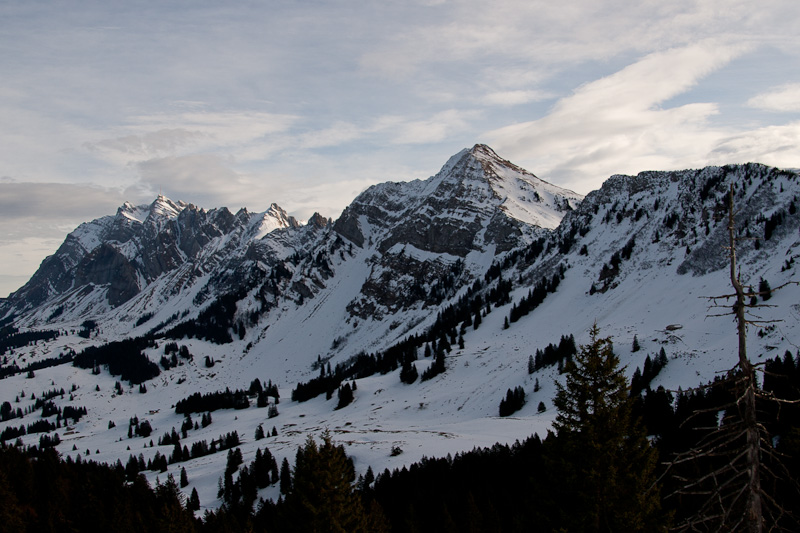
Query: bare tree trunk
x=747, y=402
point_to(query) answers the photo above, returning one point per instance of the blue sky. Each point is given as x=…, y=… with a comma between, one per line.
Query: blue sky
x=307, y=103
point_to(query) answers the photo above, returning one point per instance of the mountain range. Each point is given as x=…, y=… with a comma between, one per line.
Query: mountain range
x=478, y=268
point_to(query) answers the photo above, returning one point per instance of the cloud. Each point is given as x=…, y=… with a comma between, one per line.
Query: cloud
x=335, y=135
x=158, y=135
x=211, y=181
x=147, y=144
x=771, y=145
x=432, y=130
x=618, y=123
x=49, y=202
x=783, y=98
x=36, y=217
x=550, y=36
x=224, y=127
x=512, y=98
x=203, y=179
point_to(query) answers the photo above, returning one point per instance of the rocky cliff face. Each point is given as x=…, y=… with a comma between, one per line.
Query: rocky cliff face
x=476, y=201
x=432, y=237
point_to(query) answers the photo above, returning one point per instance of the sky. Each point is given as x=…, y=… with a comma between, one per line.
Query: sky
x=305, y=104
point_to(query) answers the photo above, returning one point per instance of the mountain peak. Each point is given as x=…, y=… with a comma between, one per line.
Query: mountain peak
x=475, y=190
x=523, y=196
x=163, y=206
x=484, y=151
x=493, y=164
x=318, y=221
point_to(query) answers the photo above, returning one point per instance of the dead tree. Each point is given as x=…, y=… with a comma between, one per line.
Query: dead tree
x=725, y=471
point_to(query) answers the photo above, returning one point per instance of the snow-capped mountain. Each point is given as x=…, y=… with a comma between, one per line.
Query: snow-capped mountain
x=107, y=262
x=397, y=247
x=449, y=263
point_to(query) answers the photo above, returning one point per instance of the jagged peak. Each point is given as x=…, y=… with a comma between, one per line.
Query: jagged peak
x=161, y=207
x=318, y=221
x=486, y=153
x=277, y=211
x=164, y=207
x=129, y=211
x=285, y=219
x=491, y=161
x=481, y=162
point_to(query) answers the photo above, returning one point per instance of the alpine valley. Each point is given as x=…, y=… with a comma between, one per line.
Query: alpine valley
x=398, y=327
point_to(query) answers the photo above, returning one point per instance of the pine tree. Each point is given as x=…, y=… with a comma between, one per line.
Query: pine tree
x=662, y=358
x=345, y=396
x=194, y=501
x=601, y=457
x=184, y=478
x=173, y=516
x=322, y=497
x=286, y=477
x=260, y=468
x=408, y=373
x=369, y=477
x=764, y=289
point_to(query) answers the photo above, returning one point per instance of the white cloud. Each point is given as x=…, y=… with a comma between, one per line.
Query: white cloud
x=784, y=98
x=196, y=178
x=512, y=98
x=335, y=135
x=51, y=202
x=161, y=141
x=178, y=134
x=617, y=123
x=771, y=145
x=36, y=217
x=432, y=130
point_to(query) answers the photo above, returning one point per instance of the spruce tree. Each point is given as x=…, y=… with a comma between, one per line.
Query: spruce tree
x=286, y=477
x=194, y=501
x=322, y=497
x=345, y=395
x=764, y=289
x=408, y=373
x=600, y=460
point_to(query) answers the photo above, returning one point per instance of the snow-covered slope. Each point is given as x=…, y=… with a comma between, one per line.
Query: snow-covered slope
x=638, y=257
